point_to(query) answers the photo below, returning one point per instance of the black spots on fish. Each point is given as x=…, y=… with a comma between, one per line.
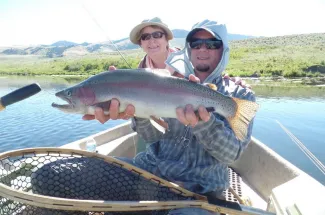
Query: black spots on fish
x=228, y=107
x=94, y=82
x=245, y=112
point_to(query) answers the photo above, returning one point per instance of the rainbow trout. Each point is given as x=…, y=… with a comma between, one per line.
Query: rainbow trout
x=154, y=93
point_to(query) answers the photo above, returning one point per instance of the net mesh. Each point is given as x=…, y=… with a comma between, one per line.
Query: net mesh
x=75, y=176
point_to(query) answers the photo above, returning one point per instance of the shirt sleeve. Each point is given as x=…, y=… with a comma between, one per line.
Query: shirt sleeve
x=146, y=130
x=219, y=139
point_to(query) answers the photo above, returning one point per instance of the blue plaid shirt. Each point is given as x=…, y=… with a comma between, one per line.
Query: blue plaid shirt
x=196, y=158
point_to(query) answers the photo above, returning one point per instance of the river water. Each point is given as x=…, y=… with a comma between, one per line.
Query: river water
x=301, y=111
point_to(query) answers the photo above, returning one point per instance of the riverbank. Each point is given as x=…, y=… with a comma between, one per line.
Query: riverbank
x=286, y=82
x=277, y=81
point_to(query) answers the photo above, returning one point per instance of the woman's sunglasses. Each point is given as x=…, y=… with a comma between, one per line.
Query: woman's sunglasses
x=156, y=35
x=209, y=43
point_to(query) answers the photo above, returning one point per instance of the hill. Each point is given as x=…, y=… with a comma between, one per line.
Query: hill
x=64, y=43
x=68, y=48
x=292, y=55
x=285, y=56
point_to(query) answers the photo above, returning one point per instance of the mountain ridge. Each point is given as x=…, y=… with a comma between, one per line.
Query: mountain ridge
x=67, y=48
x=63, y=48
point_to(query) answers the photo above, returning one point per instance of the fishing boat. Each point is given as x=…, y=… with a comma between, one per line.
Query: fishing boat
x=260, y=178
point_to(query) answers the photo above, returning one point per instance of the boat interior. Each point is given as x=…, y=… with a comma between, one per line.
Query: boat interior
x=260, y=178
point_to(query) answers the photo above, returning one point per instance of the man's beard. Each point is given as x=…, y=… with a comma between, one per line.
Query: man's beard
x=202, y=68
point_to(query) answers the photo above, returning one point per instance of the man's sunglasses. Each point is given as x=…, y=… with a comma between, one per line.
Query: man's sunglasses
x=209, y=43
x=156, y=35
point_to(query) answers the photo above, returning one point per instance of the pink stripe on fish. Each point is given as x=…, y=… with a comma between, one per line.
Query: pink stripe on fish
x=159, y=88
x=86, y=95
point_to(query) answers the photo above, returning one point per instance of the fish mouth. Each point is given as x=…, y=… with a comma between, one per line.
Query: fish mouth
x=63, y=107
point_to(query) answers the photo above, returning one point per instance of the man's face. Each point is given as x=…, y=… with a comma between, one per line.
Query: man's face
x=203, y=59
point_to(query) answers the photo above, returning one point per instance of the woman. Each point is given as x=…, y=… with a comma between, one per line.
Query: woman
x=152, y=36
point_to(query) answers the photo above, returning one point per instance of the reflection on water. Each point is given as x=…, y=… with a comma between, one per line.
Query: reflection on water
x=34, y=123
x=293, y=92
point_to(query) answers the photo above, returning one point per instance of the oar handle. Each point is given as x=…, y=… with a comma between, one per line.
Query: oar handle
x=18, y=95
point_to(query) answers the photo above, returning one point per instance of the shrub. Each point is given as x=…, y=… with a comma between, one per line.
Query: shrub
x=73, y=67
x=91, y=67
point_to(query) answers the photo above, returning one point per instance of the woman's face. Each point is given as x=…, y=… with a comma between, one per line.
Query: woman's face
x=153, y=44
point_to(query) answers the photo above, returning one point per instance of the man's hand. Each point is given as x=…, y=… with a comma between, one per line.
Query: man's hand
x=113, y=110
x=113, y=113
x=237, y=80
x=193, y=78
x=111, y=68
x=187, y=115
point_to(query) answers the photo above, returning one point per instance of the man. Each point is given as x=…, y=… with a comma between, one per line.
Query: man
x=196, y=150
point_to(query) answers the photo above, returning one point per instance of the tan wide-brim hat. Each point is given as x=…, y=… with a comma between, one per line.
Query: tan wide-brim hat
x=135, y=33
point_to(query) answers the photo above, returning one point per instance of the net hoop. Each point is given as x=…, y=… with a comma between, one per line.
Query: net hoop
x=96, y=205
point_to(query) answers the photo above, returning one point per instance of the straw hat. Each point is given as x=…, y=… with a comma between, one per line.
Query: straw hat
x=135, y=33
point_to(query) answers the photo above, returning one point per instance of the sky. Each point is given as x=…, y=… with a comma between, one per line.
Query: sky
x=32, y=22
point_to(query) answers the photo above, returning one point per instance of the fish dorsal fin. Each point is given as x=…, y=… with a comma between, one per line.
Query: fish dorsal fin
x=161, y=72
x=211, y=86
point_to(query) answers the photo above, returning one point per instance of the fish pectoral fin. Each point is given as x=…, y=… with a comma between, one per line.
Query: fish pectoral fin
x=159, y=124
x=245, y=112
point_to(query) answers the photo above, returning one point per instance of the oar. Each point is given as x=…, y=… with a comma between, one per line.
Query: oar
x=18, y=95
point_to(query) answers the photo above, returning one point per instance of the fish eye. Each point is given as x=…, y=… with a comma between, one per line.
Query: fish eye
x=69, y=93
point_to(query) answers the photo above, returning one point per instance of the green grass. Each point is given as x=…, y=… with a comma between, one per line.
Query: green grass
x=87, y=65
x=288, y=56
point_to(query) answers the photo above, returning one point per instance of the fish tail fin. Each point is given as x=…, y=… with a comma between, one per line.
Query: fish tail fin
x=244, y=113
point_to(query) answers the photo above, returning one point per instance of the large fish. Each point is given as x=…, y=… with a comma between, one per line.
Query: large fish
x=154, y=93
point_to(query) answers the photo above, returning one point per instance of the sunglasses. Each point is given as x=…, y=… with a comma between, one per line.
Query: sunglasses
x=209, y=43
x=156, y=35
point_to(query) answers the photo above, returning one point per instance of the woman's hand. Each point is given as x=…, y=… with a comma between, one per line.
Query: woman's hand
x=237, y=80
